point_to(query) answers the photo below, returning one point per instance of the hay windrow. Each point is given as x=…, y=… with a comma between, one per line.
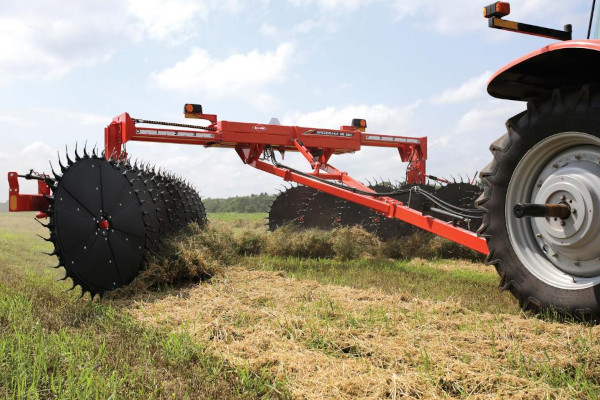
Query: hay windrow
x=194, y=254
x=344, y=343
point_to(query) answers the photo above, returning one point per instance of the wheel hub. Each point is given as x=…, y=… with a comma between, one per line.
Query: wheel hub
x=572, y=179
x=103, y=225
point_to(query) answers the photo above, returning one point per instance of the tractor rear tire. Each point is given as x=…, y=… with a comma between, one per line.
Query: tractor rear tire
x=550, y=154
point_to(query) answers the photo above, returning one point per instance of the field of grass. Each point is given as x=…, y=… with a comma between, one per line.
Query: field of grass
x=54, y=346
x=283, y=327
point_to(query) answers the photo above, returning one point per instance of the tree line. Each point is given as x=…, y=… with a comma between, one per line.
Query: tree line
x=243, y=204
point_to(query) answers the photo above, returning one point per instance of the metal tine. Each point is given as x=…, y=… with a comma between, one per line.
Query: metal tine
x=77, y=158
x=85, y=153
x=63, y=169
x=46, y=239
x=94, y=154
x=81, y=295
x=56, y=176
x=69, y=161
x=55, y=266
x=64, y=278
x=72, y=287
x=40, y=222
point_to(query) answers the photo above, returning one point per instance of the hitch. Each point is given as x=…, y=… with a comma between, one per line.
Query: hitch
x=28, y=202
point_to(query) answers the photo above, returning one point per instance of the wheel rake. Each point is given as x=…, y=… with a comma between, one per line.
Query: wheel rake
x=538, y=211
x=106, y=216
x=288, y=207
x=308, y=208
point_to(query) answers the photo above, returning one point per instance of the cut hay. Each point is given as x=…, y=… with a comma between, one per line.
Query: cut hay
x=331, y=342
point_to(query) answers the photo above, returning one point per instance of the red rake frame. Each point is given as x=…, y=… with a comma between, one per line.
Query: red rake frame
x=317, y=146
x=250, y=141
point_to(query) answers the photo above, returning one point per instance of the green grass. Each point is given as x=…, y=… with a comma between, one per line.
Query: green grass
x=234, y=216
x=52, y=346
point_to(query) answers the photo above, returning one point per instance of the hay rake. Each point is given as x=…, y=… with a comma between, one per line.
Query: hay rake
x=538, y=216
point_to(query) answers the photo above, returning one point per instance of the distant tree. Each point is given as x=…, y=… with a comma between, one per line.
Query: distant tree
x=243, y=204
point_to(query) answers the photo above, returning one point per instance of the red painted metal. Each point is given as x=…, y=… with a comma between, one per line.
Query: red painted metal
x=317, y=146
x=568, y=63
x=27, y=202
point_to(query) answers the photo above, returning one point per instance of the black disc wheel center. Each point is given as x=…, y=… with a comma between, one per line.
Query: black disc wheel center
x=104, y=225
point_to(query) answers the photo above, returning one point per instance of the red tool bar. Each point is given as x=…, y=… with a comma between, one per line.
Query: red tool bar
x=231, y=134
x=27, y=202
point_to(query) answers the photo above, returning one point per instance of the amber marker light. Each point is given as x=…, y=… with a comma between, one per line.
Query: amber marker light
x=499, y=9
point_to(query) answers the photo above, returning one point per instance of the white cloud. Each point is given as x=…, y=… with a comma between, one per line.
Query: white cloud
x=175, y=20
x=241, y=75
x=46, y=40
x=380, y=117
x=470, y=138
x=333, y=5
x=470, y=90
x=488, y=113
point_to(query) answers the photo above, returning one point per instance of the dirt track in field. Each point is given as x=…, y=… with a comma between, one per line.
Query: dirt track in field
x=331, y=342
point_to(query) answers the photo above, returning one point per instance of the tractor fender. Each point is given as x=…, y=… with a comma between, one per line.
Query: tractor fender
x=537, y=74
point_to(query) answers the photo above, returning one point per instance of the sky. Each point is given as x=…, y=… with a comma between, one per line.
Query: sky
x=409, y=67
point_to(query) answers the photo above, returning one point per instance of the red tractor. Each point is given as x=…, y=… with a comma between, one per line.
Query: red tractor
x=537, y=217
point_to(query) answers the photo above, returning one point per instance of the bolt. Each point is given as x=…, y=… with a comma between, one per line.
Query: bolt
x=578, y=157
x=554, y=254
x=85, y=247
x=555, y=165
x=577, y=263
x=573, y=279
x=562, y=197
x=562, y=223
x=539, y=184
x=110, y=261
x=539, y=235
x=96, y=188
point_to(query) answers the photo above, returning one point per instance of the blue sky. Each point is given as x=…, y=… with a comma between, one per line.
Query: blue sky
x=409, y=67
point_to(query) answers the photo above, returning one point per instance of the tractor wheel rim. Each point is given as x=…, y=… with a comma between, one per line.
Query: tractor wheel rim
x=561, y=168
